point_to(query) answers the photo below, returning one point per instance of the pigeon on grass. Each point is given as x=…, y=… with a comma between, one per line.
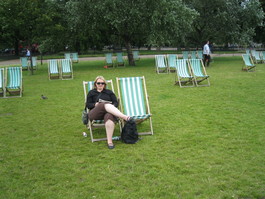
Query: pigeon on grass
x=43, y=97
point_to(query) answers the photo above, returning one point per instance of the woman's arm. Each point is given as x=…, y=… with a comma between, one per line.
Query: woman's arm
x=90, y=103
x=114, y=99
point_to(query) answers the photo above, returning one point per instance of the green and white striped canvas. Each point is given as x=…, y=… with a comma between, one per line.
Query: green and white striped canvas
x=160, y=61
x=172, y=60
x=247, y=60
x=75, y=57
x=193, y=55
x=199, y=54
x=1, y=78
x=132, y=97
x=136, y=55
x=67, y=55
x=182, y=68
x=109, y=58
x=185, y=54
x=197, y=68
x=120, y=59
x=53, y=65
x=66, y=65
x=24, y=62
x=13, y=78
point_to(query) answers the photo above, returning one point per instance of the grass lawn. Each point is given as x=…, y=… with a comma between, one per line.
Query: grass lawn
x=208, y=142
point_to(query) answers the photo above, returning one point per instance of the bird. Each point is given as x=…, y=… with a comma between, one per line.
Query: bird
x=43, y=97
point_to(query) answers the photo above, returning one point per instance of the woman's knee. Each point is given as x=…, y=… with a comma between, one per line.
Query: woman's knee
x=109, y=123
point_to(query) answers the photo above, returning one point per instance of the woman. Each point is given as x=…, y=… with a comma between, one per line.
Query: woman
x=102, y=110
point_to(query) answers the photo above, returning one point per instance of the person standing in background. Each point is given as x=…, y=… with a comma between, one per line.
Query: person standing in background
x=206, y=54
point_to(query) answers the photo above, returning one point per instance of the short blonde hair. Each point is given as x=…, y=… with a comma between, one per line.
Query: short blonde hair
x=102, y=78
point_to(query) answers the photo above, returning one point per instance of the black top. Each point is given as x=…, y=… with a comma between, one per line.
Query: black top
x=93, y=96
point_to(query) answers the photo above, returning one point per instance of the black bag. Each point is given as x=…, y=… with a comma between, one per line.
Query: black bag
x=85, y=117
x=129, y=134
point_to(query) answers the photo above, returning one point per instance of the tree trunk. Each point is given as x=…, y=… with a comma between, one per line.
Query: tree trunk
x=31, y=64
x=129, y=53
x=16, y=47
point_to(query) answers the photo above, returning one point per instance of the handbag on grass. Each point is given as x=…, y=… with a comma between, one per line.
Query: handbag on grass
x=85, y=117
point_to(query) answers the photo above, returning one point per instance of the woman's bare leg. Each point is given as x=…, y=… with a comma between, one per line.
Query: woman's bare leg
x=109, y=125
x=116, y=112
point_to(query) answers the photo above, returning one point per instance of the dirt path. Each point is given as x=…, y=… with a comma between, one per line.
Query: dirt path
x=17, y=61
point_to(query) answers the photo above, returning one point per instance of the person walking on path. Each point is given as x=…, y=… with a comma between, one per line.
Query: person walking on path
x=206, y=54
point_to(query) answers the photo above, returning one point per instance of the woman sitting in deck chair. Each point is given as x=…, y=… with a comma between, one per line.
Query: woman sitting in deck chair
x=103, y=104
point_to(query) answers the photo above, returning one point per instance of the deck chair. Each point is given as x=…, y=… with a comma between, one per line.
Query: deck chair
x=53, y=69
x=136, y=55
x=248, y=63
x=134, y=100
x=185, y=54
x=248, y=51
x=257, y=57
x=67, y=55
x=193, y=55
x=2, y=82
x=119, y=59
x=199, y=54
x=183, y=74
x=161, y=64
x=66, y=69
x=109, y=60
x=75, y=57
x=14, y=82
x=88, y=85
x=24, y=63
x=172, y=62
x=34, y=63
x=199, y=72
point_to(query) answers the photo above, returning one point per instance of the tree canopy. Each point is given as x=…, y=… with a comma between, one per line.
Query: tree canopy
x=84, y=24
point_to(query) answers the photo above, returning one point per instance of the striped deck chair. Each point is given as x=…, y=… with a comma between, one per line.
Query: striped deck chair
x=172, y=62
x=185, y=54
x=199, y=72
x=134, y=101
x=24, y=63
x=89, y=85
x=136, y=56
x=109, y=60
x=199, y=54
x=75, y=57
x=34, y=63
x=66, y=69
x=183, y=74
x=257, y=57
x=119, y=59
x=193, y=55
x=14, y=82
x=2, y=82
x=161, y=64
x=53, y=69
x=248, y=63
x=67, y=55
x=248, y=51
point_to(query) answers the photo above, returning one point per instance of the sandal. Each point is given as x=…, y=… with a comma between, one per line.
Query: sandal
x=111, y=146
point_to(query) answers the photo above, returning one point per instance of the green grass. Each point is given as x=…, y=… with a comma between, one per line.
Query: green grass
x=208, y=142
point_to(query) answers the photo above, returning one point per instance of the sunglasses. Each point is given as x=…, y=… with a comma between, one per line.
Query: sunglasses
x=102, y=83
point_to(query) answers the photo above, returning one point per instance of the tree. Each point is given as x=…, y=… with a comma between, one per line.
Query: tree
x=224, y=21
x=128, y=22
x=260, y=30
